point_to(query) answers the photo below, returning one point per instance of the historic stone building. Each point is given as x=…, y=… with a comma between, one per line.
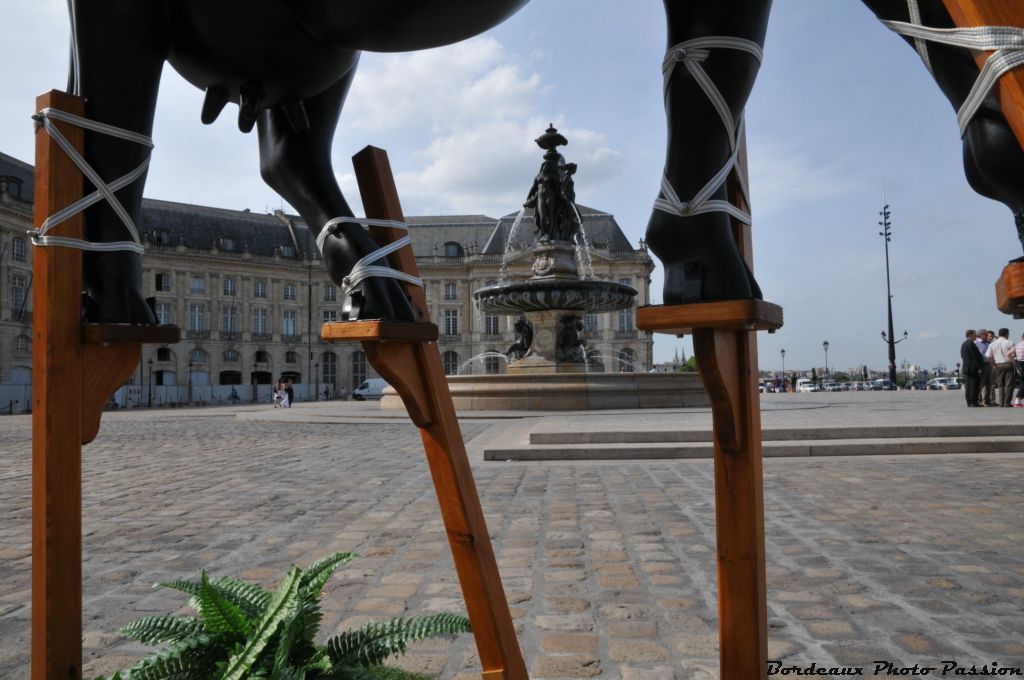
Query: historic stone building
x=250, y=292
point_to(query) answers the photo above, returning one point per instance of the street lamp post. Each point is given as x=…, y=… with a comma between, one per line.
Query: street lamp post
x=150, y=383
x=886, y=233
x=317, y=365
x=825, y=345
x=783, y=353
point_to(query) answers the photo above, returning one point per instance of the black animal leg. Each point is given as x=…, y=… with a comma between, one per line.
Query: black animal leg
x=296, y=163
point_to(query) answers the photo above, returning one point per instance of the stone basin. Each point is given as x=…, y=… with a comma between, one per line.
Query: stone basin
x=535, y=295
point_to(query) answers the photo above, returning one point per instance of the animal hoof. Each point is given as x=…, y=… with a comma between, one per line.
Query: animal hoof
x=250, y=102
x=216, y=99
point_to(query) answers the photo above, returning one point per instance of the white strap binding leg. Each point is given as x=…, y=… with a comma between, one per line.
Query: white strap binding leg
x=103, y=191
x=363, y=269
x=1006, y=43
x=691, y=53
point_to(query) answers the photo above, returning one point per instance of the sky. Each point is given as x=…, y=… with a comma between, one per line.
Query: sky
x=841, y=108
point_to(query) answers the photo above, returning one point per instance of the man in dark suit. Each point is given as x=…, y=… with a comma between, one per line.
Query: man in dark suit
x=972, y=364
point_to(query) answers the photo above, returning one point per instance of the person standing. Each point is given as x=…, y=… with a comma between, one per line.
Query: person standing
x=1018, y=370
x=972, y=363
x=985, y=397
x=1000, y=355
x=289, y=390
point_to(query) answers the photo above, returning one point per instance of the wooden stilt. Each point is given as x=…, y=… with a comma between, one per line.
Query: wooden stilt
x=407, y=357
x=971, y=13
x=725, y=345
x=75, y=369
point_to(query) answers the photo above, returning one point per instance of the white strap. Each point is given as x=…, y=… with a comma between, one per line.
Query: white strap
x=1006, y=43
x=919, y=44
x=363, y=269
x=104, y=191
x=691, y=53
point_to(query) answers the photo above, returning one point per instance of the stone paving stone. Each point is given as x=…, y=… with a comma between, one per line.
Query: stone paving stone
x=865, y=558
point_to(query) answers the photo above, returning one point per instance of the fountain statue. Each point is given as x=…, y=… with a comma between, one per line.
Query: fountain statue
x=555, y=296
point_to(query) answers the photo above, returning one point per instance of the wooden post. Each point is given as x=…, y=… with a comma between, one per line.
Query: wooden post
x=725, y=346
x=56, y=416
x=406, y=356
x=972, y=13
x=75, y=369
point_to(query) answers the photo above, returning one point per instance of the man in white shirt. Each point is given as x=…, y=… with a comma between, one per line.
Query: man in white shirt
x=1001, y=353
x=1018, y=372
x=985, y=390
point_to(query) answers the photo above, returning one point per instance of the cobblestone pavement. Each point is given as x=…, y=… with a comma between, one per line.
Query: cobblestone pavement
x=609, y=568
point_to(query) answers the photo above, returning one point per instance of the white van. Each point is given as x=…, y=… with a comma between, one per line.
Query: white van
x=806, y=385
x=370, y=389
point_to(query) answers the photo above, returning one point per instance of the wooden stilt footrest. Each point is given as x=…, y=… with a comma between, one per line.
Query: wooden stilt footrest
x=734, y=315
x=378, y=331
x=1010, y=290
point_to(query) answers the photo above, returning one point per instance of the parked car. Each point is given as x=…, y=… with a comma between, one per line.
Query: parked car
x=882, y=384
x=370, y=389
x=937, y=384
x=917, y=385
x=805, y=385
x=953, y=384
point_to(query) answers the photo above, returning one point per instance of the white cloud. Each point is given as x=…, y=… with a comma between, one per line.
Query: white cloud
x=443, y=86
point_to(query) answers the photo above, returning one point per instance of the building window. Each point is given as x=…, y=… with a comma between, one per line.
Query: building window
x=197, y=316
x=330, y=292
x=198, y=356
x=492, y=324
x=627, y=360
x=259, y=321
x=451, y=362
x=451, y=322
x=164, y=313
x=453, y=249
x=287, y=251
x=19, y=250
x=262, y=357
x=163, y=354
x=23, y=344
x=290, y=323
x=290, y=291
x=161, y=237
x=227, y=244
x=229, y=287
x=230, y=356
x=19, y=289
x=330, y=363
x=197, y=285
x=260, y=288
x=451, y=291
x=291, y=357
x=163, y=282
x=492, y=365
x=358, y=368
x=626, y=319
x=330, y=315
x=229, y=319
x=590, y=323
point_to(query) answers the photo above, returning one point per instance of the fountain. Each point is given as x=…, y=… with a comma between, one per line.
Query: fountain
x=549, y=364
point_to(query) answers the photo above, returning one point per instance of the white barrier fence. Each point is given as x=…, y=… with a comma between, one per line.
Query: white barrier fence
x=18, y=398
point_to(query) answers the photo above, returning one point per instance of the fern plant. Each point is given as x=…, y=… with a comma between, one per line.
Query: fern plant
x=243, y=632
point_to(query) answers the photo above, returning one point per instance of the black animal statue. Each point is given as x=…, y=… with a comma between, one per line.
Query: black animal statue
x=288, y=66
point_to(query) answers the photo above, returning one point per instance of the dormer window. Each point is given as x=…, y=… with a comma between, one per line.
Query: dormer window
x=453, y=249
x=287, y=251
x=227, y=244
x=161, y=237
x=10, y=186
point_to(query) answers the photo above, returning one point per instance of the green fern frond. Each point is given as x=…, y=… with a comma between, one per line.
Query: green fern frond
x=190, y=587
x=374, y=642
x=219, y=614
x=151, y=630
x=281, y=605
x=318, y=573
x=249, y=596
x=186, y=660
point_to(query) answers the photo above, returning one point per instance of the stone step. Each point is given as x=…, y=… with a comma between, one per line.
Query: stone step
x=770, y=449
x=552, y=435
